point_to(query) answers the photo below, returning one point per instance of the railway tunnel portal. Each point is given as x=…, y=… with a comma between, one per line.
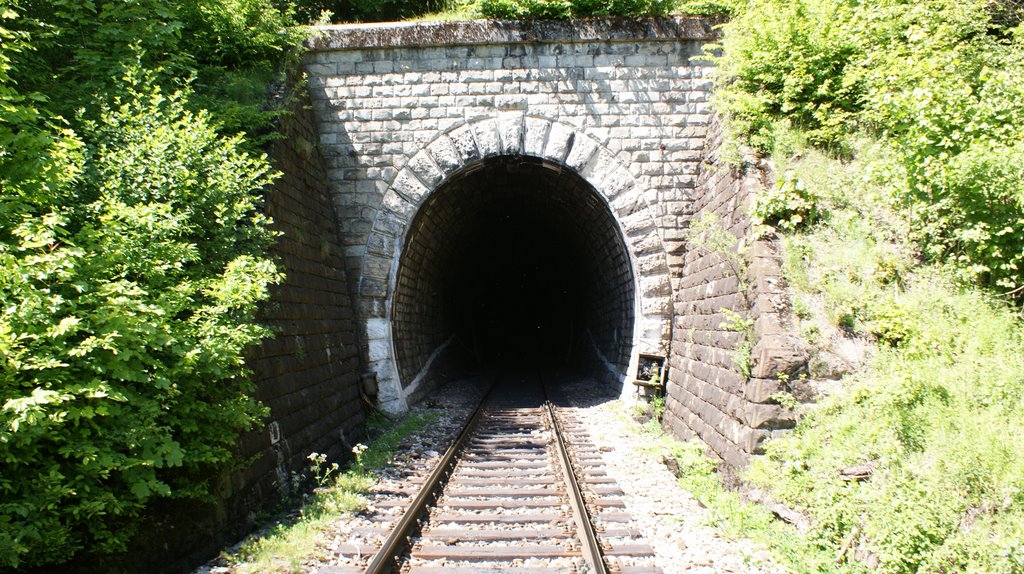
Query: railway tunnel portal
x=518, y=261
x=523, y=190
x=498, y=190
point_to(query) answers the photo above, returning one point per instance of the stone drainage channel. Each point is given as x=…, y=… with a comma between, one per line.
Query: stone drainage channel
x=522, y=489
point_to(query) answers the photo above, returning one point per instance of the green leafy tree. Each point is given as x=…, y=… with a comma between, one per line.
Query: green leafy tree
x=125, y=320
x=132, y=259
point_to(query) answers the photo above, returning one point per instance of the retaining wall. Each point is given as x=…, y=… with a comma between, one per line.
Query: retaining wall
x=722, y=375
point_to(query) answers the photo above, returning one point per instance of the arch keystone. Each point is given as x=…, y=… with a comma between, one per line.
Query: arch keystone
x=536, y=136
x=486, y=132
x=510, y=128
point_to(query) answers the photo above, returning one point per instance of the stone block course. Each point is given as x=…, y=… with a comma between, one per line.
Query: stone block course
x=709, y=395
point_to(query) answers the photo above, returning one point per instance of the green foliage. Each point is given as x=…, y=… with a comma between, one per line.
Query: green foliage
x=229, y=50
x=527, y=9
x=936, y=416
x=132, y=258
x=708, y=8
x=940, y=82
x=369, y=10
x=572, y=8
x=517, y=9
x=936, y=421
x=125, y=319
x=738, y=324
x=657, y=406
x=852, y=258
x=788, y=59
x=788, y=206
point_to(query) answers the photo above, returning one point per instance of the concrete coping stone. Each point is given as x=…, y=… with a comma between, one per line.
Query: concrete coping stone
x=476, y=32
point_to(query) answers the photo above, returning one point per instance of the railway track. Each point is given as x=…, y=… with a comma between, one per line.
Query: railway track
x=522, y=489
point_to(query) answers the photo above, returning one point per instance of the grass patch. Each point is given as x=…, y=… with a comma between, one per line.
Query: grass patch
x=730, y=513
x=935, y=417
x=288, y=544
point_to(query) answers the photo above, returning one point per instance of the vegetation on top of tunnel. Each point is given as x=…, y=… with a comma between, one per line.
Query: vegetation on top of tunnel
x=383, y=10
x=133, y=253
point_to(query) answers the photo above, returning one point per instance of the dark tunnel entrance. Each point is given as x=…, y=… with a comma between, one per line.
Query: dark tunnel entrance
x=517, y=262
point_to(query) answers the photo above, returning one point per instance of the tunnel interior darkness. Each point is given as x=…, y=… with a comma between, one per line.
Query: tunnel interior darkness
x=518, y=262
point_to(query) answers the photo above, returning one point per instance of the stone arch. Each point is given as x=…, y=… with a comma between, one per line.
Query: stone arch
x=469, y=144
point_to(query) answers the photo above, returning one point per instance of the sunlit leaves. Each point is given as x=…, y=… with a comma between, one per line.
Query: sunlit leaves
x=125, y=320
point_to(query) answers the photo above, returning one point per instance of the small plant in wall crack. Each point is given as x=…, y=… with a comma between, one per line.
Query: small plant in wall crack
x=745, y=327
x=709, y=235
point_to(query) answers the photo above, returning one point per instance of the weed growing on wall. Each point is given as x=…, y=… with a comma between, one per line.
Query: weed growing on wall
x=709, y=236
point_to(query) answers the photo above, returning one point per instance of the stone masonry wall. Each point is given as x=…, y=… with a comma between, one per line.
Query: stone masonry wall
x=402, y=107
x=708, y=394
x=309, y=373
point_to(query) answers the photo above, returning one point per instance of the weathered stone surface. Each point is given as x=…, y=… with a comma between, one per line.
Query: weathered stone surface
x=710, y=392
x=559, y=142
x=778, y=353
x=536, y=136
x=487, y=138
x=409, y=186
x=423, y=166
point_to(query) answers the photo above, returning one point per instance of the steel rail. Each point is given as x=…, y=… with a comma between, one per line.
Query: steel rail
x=591, y=547
x=383, y=561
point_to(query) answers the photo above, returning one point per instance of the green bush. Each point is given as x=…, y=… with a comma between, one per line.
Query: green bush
x=790, y=205
x=367, y=10
x=940, y=83
x=572, y=8
x=125, y=319
x=132, y=258
x=789, y=59
x=514, y=9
